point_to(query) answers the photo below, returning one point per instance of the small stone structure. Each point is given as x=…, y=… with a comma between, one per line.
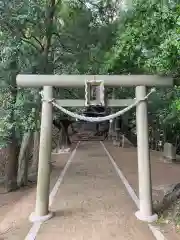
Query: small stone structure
x=169, y=153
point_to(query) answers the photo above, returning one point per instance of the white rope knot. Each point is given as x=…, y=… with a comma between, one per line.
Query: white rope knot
x=46, y=100
x=51, y=100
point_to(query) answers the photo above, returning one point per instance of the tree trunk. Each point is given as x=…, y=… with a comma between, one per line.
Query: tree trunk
x=64, y=141
x=46, y=67
x=24, y=160
x=97, y=130
x=73, y=130
x=36, y=139
x=12, y=164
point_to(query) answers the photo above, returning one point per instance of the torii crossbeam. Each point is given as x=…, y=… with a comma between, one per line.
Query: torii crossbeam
x=140, y=82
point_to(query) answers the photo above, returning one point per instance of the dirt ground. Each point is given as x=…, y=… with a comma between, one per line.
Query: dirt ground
x=92, y=203
x=163, y=176
x=15, y=207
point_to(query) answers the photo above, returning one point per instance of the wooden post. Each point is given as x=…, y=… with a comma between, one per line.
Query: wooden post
x=144, y=168
x=42, y=196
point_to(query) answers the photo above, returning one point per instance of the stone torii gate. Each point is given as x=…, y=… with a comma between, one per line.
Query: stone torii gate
x=140, y=82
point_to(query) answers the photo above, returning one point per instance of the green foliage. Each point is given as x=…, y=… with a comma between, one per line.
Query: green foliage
x=74, y=42
x=86, y=37
x=148, y=41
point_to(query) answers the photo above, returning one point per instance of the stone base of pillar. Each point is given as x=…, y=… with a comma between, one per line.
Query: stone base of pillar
x=34, y=218
x=61, y=150
x=144, y=218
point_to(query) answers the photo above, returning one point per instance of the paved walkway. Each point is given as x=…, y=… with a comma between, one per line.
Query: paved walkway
x=163, y=176
x=92, y=203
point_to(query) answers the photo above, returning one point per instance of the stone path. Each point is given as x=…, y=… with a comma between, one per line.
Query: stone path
x=92, y=203
x=164, y=175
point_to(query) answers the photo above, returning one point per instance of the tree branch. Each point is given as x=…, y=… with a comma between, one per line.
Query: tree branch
x=59, y=36
x=23, y=37
x=30, y=43
x=37, y=40
x=27, y=39
x=57, y=2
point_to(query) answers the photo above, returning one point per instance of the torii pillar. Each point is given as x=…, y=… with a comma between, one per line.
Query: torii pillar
x=42, y=213
x=145, y=212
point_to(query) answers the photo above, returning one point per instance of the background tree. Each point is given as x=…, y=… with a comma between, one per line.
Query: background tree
x=42, y=37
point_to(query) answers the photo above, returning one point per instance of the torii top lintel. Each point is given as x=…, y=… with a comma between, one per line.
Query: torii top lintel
x=31, y=80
